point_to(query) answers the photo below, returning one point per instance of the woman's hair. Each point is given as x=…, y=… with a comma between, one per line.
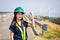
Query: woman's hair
x=14, y=20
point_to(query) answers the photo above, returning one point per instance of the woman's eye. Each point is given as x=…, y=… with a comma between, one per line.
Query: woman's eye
x=20, y=14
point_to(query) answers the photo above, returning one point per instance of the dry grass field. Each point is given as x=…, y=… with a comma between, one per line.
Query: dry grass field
x=52, y=33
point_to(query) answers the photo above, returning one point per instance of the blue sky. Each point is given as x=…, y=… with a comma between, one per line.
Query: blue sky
x=39, y=7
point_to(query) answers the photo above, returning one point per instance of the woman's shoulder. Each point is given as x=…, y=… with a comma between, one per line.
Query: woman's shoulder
x=12, y=28
x=13, y=23
x=26, y=23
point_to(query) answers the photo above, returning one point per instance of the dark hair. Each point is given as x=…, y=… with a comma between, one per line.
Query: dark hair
x=14, y=20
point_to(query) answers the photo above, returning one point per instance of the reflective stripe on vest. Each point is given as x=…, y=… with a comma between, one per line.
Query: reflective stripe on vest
x=23, y=33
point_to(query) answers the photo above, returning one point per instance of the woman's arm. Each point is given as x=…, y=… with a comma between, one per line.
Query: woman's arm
x=32, y=24
x=11, y=35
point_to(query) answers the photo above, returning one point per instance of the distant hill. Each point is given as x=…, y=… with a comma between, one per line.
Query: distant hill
x=5, y=12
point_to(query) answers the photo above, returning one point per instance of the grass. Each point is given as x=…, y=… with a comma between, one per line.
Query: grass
x=55, y=32
x=49, y=37
x=51, y=33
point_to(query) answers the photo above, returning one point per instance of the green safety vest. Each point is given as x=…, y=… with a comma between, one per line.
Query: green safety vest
x=23, y=33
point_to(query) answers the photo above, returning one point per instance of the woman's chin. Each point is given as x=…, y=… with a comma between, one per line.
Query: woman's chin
x=19, y=18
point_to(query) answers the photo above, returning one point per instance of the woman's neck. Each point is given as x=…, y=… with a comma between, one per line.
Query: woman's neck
x=19, y=22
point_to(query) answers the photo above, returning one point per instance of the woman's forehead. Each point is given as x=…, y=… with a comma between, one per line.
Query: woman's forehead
x=20, y=12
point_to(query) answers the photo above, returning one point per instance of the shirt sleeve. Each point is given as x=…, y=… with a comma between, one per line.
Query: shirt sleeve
x=26, y=24
x=11, y=28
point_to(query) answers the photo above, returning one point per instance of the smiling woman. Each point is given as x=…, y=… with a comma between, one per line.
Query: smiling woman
x=18, y=26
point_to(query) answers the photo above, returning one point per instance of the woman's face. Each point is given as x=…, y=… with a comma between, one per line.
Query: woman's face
x=19, y=15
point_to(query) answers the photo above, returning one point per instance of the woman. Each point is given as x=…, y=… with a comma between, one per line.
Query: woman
x=18, y=25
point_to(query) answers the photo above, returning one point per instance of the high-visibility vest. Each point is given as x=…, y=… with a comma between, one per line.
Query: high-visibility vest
x=23, y=32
